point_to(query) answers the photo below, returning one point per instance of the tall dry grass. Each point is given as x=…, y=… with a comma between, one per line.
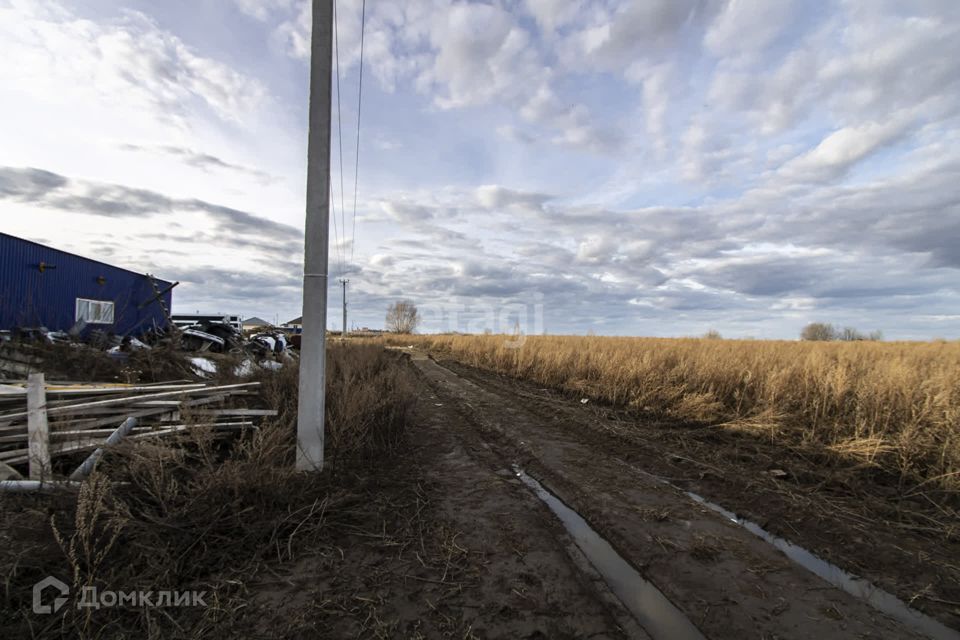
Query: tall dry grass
x=196, y=513
x=891, y=405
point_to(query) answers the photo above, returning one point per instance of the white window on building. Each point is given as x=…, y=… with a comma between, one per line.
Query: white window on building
x=94, y=311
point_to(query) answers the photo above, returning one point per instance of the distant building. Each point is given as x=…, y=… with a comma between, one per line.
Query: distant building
x=253, y=323
x=293, y=325
x=45, y=287
x=184, y=320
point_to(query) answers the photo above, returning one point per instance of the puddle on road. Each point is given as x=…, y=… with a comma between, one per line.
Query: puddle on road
x=863, y=589
x=658, y=616
x=858, y=587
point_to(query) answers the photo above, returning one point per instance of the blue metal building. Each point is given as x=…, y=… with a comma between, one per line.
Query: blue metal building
x=45, y=287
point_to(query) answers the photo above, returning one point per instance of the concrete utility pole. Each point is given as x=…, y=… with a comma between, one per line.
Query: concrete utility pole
x=344, y=282
x=310, y=415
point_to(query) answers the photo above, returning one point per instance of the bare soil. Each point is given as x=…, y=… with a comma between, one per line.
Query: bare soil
x=906, y=545
x=448, y=543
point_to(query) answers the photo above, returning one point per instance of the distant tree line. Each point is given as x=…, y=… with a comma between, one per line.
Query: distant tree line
x=825, y=331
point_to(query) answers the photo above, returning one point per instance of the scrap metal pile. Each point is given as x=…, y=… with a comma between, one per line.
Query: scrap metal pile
x=206, y=347
x=205, y=336
x=42, y=421
x=223, y=337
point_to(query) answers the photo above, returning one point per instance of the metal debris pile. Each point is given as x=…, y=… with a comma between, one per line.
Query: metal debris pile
x=205, y=349
x=212, y=336
x=41, y=421
x=222, y=337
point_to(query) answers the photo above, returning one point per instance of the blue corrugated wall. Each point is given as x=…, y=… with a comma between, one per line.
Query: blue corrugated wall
x=30, y=297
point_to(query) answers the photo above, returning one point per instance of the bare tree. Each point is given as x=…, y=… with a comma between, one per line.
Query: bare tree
x=849, y=334
x=402, y=317
x=818, y=331
x=824, y=331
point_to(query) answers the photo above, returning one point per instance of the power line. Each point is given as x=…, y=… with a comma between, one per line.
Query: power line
x=343, y=214
x=356, y=166
x=336, y=236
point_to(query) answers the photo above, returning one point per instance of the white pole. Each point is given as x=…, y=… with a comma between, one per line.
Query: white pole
x=343, y=334
x=38, y=430
x=24, y=486
x=88, y=465
x=313, y=343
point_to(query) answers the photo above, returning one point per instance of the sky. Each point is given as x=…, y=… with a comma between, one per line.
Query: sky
x=660, y=167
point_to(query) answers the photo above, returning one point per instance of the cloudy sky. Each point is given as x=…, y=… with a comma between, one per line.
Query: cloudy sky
x=658, y=167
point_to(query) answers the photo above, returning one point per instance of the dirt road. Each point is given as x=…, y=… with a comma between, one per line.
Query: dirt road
x=455, y=544
x=726, y=580
x=449, y=544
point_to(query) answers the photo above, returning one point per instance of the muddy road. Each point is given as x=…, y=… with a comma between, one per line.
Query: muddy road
x=728, y=581
x=522, y=514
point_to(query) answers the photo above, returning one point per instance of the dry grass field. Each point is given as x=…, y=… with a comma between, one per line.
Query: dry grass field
x=413, y=530
x=893, y=406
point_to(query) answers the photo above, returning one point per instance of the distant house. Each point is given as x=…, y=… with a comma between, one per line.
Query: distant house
x=45, y=287
x=294, y=325
x=253, y=323
x=184, y=320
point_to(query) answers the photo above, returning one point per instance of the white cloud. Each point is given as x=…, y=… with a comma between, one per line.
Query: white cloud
x=396, y=35
x=494, y=196
x=462, y=55
x=386, y=144
x=638, y=163
x=621, y=34
x=131, y=57
x=747, y=27
x=263, y=9
x=842, y=149
x=481, y=54
x=892, y=61
x=571, y=123
x=552, y=14
x=79, y=95
x=407, y=212
x=596, y=249
x=657, y=83
x=293, y=33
